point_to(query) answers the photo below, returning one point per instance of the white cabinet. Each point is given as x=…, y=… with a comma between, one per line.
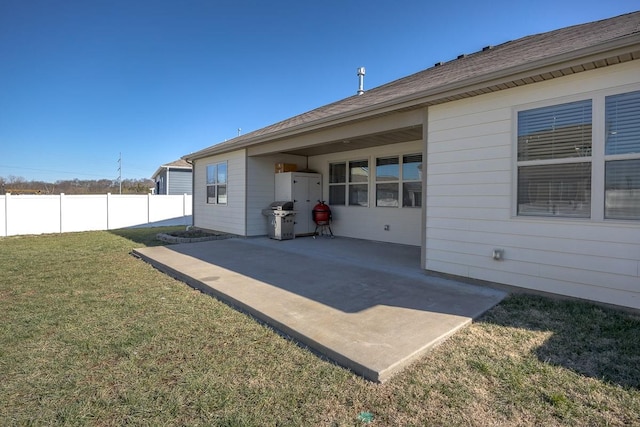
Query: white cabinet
x=304, y=190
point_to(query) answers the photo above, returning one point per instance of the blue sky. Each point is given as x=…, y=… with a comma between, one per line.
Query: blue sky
x=82, y=81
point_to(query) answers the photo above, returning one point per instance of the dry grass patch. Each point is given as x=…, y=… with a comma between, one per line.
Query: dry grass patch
x=89, y=335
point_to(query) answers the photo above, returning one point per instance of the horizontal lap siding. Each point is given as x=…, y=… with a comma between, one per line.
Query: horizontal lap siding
x=469, y=203
x=179, y=182
x=261, y=188
x=229, y=218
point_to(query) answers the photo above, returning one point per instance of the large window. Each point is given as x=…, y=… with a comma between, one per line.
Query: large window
x=554, y=160
x=392, y=180
x=349, y=183
x=622, y=156
x=566, y=170
x=217, y=183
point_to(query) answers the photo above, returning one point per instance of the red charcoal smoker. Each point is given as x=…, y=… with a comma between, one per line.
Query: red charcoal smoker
x=322, y=218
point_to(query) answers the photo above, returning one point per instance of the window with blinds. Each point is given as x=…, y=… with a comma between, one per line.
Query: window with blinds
x=554, y=160
x=622, y=156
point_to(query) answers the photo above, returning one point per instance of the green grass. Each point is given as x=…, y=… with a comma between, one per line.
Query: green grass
x=90, y=335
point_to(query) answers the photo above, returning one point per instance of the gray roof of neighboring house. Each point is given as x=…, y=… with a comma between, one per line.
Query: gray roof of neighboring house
x=176, y=164
x=553, y=54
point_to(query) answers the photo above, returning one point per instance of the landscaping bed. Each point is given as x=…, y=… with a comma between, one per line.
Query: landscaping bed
x=192, y=235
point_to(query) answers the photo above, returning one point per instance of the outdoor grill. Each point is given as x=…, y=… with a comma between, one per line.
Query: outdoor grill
x=281, y=217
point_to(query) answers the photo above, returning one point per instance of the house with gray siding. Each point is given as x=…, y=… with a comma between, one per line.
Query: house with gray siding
x=518, y=164
x=173, y=178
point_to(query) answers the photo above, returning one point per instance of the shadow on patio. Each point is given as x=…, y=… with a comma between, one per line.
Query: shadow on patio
x=366, y=305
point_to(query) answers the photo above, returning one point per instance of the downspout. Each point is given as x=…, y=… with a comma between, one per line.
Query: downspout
x=193, y=191
x=167, y=191
x=246, y=193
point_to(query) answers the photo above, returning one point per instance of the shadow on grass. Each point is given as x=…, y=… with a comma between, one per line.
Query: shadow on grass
x=588, y=339
x=146, y=236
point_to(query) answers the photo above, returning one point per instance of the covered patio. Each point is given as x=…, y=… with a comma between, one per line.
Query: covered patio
x=366, y=305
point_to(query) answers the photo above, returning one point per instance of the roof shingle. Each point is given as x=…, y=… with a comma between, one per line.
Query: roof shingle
x=506, y=56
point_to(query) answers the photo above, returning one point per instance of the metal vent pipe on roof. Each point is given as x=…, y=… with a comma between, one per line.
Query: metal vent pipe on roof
x=360, y=80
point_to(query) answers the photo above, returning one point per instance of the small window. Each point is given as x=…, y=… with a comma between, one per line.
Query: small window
x=387, y=181
x=217, y=183
x=622, y=116
x=359, y=183
x=622, y=189
x=337, y=183
x=622, y=156
x=412, y=180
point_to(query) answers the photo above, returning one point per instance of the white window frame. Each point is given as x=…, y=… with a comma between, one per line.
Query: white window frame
x=217, y=185
x=400, y=182
x=404, y=180
x=347, y=184
x=598, y=158
x=397, y=181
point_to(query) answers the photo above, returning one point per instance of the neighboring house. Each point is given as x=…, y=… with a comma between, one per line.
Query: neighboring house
x=174, y=178
x=518, y=164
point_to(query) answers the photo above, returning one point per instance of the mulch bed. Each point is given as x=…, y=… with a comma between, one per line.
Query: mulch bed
x=192, y=235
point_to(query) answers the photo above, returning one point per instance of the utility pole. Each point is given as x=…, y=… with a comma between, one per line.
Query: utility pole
x=120, y=172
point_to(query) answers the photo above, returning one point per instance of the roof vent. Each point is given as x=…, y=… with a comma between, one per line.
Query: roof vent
x=487, y=48
x=360, y=80
x=464, y=55
x=437, y=64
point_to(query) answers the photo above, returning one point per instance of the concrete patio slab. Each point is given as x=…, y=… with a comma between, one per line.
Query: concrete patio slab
x=365, y=305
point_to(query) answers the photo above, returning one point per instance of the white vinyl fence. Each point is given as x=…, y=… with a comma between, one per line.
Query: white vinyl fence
x=38, y=214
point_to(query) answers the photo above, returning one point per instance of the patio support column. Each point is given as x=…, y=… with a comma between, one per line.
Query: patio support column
x=425, y=171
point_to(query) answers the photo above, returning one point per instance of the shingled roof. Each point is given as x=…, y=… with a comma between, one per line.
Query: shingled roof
x=523, y=61
x=176, y=164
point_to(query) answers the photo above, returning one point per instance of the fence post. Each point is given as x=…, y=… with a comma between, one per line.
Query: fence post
x=61, y=211
x=148, y=208
x=108, y=197
x=7, y=196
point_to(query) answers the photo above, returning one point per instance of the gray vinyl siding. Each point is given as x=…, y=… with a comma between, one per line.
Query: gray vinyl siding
x=179, y=182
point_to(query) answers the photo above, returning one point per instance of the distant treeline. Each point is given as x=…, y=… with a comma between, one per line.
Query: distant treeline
x=17, y=185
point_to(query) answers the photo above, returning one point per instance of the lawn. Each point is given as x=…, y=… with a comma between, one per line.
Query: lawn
x=90, y=335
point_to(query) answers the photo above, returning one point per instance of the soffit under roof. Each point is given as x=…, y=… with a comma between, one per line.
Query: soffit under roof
x=395, y=136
